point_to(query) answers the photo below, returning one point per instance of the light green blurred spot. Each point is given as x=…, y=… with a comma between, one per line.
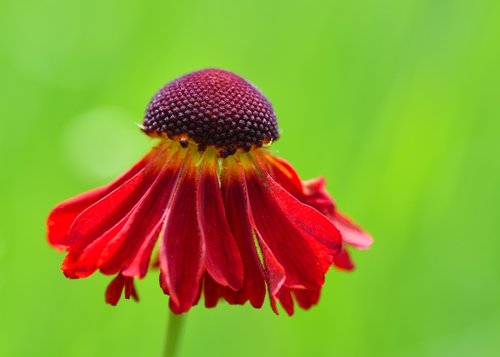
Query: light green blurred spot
x=101, y=143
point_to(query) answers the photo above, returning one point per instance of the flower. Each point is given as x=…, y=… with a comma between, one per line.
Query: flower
x=232, y=220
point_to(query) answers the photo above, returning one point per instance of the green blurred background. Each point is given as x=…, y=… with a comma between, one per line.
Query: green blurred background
x=396, y=102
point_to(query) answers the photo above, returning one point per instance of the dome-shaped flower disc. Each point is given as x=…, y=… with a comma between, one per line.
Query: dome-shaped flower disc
x=212, y=107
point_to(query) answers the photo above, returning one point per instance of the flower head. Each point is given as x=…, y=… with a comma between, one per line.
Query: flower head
x=232, y=220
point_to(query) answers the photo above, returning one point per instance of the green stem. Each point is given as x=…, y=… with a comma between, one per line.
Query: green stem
x=174, y=334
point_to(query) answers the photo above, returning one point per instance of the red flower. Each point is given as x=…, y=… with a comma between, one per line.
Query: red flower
x=232, y=219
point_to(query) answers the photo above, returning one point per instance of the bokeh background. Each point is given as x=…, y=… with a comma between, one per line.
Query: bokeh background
x=396, y=102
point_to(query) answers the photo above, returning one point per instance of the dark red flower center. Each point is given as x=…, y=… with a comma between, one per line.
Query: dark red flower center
x=212, y=107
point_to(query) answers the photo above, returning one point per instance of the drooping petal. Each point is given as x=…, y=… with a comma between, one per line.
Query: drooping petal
x=315, y=195
x=103, y=220
x=253, y=288
x=99, y=239
x=352, y=234
x=286, y=300
x=313, y=225
x=284, y=238
x=84, y=262
x=105, y=213
x=181, y=252
x=131, y=250
x=63, y=215
x=119, y=284
x=307, y=298
x=222, y=259
x=237, y=211
x=343, y=261
x=273, y=271
x=282, y=172
x=212, y=291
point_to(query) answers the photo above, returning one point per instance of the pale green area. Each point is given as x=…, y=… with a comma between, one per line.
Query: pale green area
x=396, y=102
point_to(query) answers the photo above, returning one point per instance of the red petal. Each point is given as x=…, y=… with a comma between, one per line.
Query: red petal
x=211, y=291
x=63, y=215
x=222, y=258
x=253, y=287
x=343, y=261
x=105, y=213
x=286, y=241
x=313, y=224
x=274, y=272
x=315, y=195
x=82, y=263
x=181, y=252
x=102, y=221
x=309, y=220
x=131, y=250
x=307, y=298
x=351, y=233
x=179, y=309
x=127, y=246
x=286, y=300
x=283, y=173
x=117, y=285
x=237, y=210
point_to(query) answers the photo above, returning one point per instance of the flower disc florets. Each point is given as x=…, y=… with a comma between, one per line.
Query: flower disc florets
x=212, y=107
